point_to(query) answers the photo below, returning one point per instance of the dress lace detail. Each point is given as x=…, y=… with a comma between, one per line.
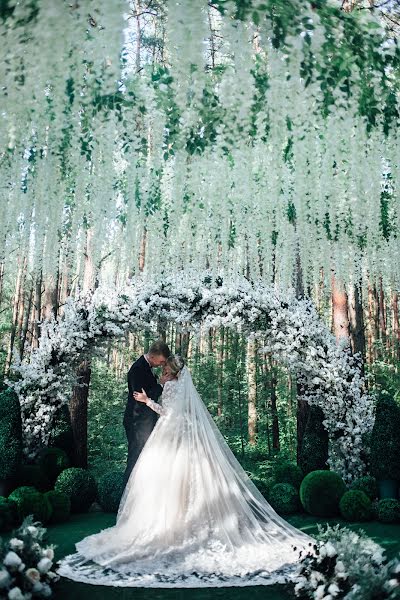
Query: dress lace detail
x=189, y=516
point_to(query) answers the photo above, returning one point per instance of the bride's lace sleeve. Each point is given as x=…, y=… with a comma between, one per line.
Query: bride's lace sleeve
x=166, y=397
x=155, y=406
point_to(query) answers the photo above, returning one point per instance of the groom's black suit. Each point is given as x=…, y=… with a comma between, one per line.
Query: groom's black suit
x=139, y=419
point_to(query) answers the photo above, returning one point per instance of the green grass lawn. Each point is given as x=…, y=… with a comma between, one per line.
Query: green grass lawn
x=65, y=536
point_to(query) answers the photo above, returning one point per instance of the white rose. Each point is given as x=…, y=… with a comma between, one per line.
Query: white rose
x=51, y=575
x=49, y=553
x=15, y=594
x=392, y=583
x=12, y=560
x=32, y=529
x=44, y=565
x=4, y=578
x=33, y=575
x=333, y=589
x=319, y=592
x=16, y=544
x=330, y=549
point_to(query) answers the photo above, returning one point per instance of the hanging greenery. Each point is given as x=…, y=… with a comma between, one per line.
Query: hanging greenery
x=242, y=133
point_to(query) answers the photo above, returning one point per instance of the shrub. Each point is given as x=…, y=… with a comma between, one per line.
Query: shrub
x=284, y=498
x=355, y=506
x=61, y=505
x=289, y=473
x=33, y=476
x=80, y=487
x=320, y=493
x=366, y=484
x=31, y=502
x=314, y=446
x=110, y=489
x=10, y=434
x=385, y=439
x=389, y=510
x=264, y=484
x=374, y=509
x=8, y=514
x=53, y=461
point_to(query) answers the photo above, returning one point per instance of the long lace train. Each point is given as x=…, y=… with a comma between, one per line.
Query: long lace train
x=189, y=516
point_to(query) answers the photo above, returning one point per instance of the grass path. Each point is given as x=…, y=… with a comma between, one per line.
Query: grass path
x=66, y=534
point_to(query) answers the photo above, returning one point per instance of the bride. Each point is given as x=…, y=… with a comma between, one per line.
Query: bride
x=189, y=516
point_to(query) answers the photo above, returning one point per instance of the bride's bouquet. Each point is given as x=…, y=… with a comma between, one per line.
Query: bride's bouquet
x=25, y=564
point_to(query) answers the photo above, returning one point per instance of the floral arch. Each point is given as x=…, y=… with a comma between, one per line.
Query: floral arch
x=287, y=327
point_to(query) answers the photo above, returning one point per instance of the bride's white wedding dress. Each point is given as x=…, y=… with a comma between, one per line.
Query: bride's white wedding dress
x=189, y=516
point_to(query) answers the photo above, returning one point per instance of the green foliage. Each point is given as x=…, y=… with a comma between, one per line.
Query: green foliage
x=263, y=484
x=33, y=476
x=385, y=439
x=30, y=501
x=79, y=485
x=289, y=473
x=320, y=493
x=8, y=514
x=389, y=510
x=52, y=462
x=284, y=498
x=106, y=435
x=110, y=488
x=314, y=447
x=61, y=506
x=366, y=484
x=10, y=434
x=355, y=506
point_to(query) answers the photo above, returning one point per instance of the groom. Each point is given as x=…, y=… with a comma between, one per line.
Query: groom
x=139, y=419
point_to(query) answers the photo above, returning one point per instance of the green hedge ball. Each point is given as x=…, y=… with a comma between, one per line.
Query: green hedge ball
x=355, y=506
x=110, y=488
x=30, y=501
x=389, y=510
x=320, y=493
x=79, y=485
x=366, y=484
x=284, y=498
x=61, y=505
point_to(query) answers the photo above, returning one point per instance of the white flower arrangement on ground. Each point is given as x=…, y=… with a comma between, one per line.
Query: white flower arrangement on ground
x=287, y=327
x=345, y=564
x=25, y=565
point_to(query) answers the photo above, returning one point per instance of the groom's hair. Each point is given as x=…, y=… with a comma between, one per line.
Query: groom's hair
x=159, y=348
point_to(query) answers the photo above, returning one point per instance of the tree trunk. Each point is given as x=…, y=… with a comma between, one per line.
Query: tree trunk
x=252, y=392
x=373, y=329
x=356, y=320
x=37, y=310
x=15, y=317
x=382, y=315
x=395, y=325
x=78, y=410
x=142, y=254
x=220, y=372
x=25, y=325
x=274, y=409
x=340, y=314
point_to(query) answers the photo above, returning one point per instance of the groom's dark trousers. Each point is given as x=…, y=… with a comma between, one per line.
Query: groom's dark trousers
x=139, y=419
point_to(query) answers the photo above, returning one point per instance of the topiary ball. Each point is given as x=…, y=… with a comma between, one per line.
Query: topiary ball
x=61, y=505
x=31, y=502
x=284, y=498
x=366, y=484
x=289, y=473
x=110, y=488
x=33, y=476
x=355, y=506
x=8, y=514
x=53, y=461
x=80, y=487
x=320, y=493
x=389, y=510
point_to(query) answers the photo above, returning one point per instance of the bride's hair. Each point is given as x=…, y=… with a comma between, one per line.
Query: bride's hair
x=175, y=363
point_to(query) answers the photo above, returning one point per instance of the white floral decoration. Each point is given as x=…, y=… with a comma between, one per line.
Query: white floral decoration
x=287, y=327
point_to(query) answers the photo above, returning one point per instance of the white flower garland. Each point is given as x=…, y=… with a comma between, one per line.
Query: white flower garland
x=289, y=328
